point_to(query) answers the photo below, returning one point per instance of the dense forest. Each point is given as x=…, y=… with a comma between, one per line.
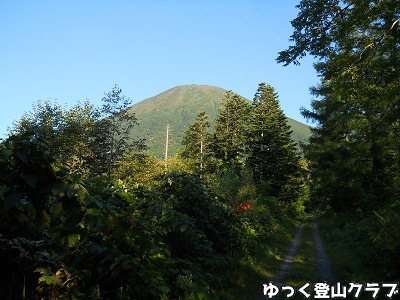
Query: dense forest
x=88, y=213
x=353, y=153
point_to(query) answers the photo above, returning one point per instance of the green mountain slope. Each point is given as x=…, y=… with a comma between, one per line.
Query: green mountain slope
x=178, y=107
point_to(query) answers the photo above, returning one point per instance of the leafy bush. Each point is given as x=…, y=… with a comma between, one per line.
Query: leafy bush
x=42, y=208
x=62, y=237
x=187, y=194
x=362, y=246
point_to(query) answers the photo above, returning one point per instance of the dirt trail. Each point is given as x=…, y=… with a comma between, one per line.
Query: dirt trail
x=323, y=271
x=288, y=260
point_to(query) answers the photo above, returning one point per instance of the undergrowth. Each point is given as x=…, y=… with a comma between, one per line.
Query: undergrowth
x=359, y=246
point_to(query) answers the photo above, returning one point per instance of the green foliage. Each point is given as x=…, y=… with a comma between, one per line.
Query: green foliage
x=267, y=220
x=230, y=132
x=138, y=168
x=272, y=153
x=118, y=225
x=258, y=138
x=66, y=131
x=387, y=239
x=197, y=144
x=111, y=139
x=42, y=207
x=64, y=237
x=188, y=195
x=227, y=183
x=354, y=149
x=360, y=248
x=85, y=139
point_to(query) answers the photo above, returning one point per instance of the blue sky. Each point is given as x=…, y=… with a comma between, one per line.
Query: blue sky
x=77, y=50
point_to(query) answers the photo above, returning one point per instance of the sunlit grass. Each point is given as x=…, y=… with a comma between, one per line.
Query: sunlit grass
x=248, y=275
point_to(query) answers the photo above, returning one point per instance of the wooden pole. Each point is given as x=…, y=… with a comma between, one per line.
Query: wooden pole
x=201, y=158
x=166, y=149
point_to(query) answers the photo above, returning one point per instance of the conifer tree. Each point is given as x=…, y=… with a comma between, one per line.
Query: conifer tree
x=230, y=132
x=197, y=143
x=272, y=152
x=354, y=150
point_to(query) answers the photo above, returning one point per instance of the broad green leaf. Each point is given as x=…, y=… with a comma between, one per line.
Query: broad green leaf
x=43, y=271
x=50, y=280
x=74, y=218
x=58, y=188
x=73, y=238
x=183, y=227
x=126, y=196
x=82, y=193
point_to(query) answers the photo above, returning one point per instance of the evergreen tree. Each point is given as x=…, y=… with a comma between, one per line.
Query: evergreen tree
x=272, y=152
x=197, y=143
x=230, y=132
x=354, y=150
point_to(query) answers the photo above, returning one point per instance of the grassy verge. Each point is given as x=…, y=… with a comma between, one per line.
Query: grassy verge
x=247, y=276
x=348, y=244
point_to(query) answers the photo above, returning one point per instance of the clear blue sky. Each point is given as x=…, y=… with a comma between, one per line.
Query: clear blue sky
x=77, y=50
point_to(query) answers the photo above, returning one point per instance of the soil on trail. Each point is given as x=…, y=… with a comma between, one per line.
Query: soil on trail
x=288, y=260
x=322, y=266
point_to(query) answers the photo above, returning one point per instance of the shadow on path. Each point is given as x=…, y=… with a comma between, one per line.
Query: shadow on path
x=323, y=271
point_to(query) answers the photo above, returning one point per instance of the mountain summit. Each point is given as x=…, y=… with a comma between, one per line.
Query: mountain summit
x=178, y=108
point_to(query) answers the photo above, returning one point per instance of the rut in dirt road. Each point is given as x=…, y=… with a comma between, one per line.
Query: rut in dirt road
x=288, y=260
x=324, y=269
x=319, y=256
x=323, y=266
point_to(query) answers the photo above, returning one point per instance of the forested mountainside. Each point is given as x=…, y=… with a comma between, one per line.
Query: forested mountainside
x=178, y=108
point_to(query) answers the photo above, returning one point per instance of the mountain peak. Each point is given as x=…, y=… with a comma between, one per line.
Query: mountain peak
x=178, y=107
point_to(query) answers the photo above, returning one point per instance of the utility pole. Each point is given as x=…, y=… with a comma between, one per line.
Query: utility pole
x=201, y=158
x=166, y=150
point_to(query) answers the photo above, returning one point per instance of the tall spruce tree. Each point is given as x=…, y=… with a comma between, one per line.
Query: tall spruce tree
x=354, y=150
x=230, y=132
x=272, y=152
x=197, y=143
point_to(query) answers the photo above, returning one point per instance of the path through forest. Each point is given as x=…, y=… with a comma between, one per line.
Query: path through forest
x=288, y=260
x=324, y=270
x=305, y=261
